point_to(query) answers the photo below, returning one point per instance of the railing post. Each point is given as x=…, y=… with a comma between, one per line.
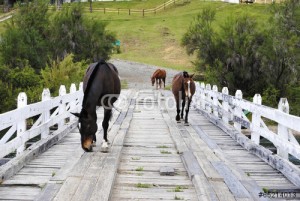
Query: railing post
x=46, y=114
x=208, y=98
x=238, y=111
x=225, y=106
x=198, y=96
x=62, y=106
x=21, y=125
x=202, y=96
x=215, y=100
x=72, y=103
x=256, y=119
x=283, y=131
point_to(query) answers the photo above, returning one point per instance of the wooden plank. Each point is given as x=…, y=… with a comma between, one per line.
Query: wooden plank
x=231, y=181
x=68, y=189
x=222, y=191
x=105, y=181
x=49, y=192
x=85, y=189
x=208, y=169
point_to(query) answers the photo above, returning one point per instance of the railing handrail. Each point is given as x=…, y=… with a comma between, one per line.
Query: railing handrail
x=15, y=121
x=231, y=108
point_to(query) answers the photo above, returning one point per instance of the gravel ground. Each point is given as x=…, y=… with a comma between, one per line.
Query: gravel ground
x=138, y=75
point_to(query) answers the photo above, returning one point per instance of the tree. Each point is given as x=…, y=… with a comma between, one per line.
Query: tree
x=229, y=57
x=282, y=55
x=242, y=56
x=25, y=39
x=87, y=39
x=63, y=72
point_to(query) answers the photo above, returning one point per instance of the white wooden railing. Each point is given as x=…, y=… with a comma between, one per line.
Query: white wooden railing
x=49, y=112
x=230, y=109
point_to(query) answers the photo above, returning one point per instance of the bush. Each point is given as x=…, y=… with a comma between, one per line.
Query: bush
x=65, y=72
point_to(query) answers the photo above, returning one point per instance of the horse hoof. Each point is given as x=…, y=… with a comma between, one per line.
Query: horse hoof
x=104, y=150
x=178, y=122
x=104, y=147
x=104, y=144
x=186, y=124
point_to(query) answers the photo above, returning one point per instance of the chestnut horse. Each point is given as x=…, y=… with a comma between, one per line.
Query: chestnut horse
x=183, y=88
x=101, y=87
x=158, y=76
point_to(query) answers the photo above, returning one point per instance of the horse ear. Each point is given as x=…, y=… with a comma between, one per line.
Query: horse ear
x=191, y=76
x=75, y=114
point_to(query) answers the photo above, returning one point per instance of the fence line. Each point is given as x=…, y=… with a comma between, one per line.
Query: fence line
x=49, y=112
x=230, y=110
x=142, y=11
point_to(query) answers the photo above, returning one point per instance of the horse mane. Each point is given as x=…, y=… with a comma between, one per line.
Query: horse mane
x=91, y=79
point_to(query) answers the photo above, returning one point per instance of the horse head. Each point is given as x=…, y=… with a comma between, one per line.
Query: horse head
x=189, y=85
x=87, y=126
x=152, y=80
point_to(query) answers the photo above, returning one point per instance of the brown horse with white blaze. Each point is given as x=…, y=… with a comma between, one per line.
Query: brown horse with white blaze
x=158, y=76
x=183, y=88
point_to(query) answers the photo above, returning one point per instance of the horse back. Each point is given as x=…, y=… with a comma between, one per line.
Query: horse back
x=177, y=83
x=102, y=75
x=159, y=73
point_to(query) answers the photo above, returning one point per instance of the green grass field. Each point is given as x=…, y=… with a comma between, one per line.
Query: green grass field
x=155, y=38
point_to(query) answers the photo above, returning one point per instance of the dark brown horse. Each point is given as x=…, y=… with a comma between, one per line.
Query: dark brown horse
x=158, y=76
x=183, y=88
x=101, y=88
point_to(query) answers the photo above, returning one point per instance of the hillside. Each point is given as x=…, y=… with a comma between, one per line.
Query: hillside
x=155, y=38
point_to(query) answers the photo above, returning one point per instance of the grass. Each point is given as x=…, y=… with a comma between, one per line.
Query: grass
x=165, y=152
x=178, y=189
x=141, y=185
x=168, y=87
x=124, y=84
x=178, y=198
x=139, y=169
x=135, y=158
x=156, y=38
x=162, y=146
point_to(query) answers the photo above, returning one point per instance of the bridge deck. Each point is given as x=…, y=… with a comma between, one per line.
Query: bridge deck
x=207, y=163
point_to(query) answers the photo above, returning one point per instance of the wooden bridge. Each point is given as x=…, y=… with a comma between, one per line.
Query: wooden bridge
x=151, y=157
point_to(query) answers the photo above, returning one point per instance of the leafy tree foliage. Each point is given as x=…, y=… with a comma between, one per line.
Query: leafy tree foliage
x=25, y=39
x=86, y=39
x=65, y=72
x=41, y=49
x=242, y=56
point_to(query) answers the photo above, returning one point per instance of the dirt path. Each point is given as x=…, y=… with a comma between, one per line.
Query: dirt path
x=138, y=75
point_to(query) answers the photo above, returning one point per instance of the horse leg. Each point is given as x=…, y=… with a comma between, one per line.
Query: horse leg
x=94, y=140
x=182, y=106
x=164, y=80
x=105, y=124
x=187, y=111
x=178, y=108
x=156, y=83
x=159, y=80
